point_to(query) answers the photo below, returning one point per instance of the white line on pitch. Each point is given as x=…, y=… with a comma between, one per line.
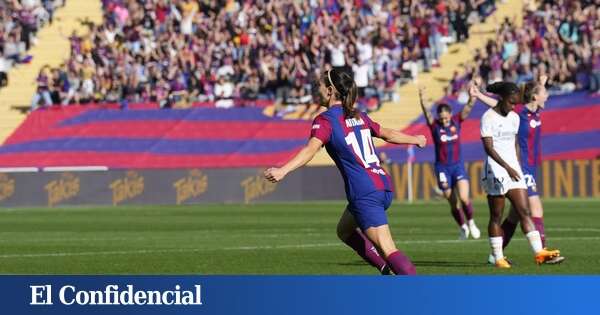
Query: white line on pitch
x=190, y=250
x=272, y=235
x=575, y=229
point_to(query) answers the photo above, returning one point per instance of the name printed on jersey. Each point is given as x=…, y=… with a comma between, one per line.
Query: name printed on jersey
x=353, y=122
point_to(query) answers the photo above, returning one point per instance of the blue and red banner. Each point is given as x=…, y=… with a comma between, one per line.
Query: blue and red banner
x=570, y=131
x=147, y=137
x=152, y=138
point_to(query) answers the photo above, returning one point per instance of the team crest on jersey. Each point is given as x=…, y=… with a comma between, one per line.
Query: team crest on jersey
x=446, y=138
x=452, y=129
x=535, y=123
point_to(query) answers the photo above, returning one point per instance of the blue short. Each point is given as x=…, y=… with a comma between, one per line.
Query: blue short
x=448, y=175
x=369, y=210
x=530, y=175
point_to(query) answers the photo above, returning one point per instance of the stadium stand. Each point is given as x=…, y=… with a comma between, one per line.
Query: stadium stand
x=176, y=51
x=559, y=39
x=523, y=49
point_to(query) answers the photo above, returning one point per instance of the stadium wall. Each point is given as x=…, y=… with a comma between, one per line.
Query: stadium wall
x=562, y=179
x=556, y=179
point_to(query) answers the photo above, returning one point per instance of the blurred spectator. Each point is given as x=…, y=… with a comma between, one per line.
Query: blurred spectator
x=43, y=88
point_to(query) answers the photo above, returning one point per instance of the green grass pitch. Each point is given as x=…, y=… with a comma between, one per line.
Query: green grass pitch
x=295, y=238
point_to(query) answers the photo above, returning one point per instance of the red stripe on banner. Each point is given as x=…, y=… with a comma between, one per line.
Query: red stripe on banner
x=43, y=120
x=419, y=129
x=572, y=120
x=232, y=130
x=588, y=154
x=144, y=160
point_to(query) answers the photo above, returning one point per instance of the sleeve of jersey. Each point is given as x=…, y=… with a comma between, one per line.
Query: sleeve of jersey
x=321, y=129
x=457, y=118
x=516, y=121
x=486, y=127
x=432, y=125
x=375, y=127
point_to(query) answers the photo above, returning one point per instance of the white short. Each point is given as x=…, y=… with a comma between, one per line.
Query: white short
x=499, y=186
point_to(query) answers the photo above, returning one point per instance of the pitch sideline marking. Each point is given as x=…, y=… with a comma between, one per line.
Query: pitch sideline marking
x=187, y=250
x=272, y=235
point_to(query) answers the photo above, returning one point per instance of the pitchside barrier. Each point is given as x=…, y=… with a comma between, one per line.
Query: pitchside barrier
x=61, y=186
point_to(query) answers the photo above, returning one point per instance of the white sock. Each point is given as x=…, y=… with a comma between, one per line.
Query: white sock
x=535, y=241
x=471, y=222
x=464, y=227
x=496, y=244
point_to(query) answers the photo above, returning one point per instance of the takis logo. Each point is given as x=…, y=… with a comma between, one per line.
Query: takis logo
x=191, y=186
x=128, y=187
x=256, y=186
x=64, y=188
x=7, y=186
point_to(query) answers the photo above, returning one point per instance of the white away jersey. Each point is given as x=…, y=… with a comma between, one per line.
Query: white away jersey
x=503, y=131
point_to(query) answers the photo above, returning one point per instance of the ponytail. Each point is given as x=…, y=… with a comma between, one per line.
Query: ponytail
x=503, y=89
x=348, y=101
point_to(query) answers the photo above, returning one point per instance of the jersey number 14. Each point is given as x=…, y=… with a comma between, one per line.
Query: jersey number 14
x=367, y=152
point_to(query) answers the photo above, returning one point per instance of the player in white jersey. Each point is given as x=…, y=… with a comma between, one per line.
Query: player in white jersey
x=502, y=175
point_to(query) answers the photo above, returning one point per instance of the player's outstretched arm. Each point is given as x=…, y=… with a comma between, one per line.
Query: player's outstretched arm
x=467, y=109
x=397, y=137
x=275, y=174
x=488, y=145
x=475, y=93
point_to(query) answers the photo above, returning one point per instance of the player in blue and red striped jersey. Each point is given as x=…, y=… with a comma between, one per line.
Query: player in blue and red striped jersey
x=529, y=140
x=347, y=136
x=449, y=165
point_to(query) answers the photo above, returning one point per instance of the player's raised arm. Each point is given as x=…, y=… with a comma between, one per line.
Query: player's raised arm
x=275, y=174
x=426, y=112
x=469, y=106
x=475, y=93
x=543, y=79
x=398, y=137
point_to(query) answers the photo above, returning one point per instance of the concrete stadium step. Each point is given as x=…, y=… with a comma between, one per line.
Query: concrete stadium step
x=52, y=48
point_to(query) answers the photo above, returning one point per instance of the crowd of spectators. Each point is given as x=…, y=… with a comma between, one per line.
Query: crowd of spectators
x=172, y=51
x=19, y=23
x=556, y=38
